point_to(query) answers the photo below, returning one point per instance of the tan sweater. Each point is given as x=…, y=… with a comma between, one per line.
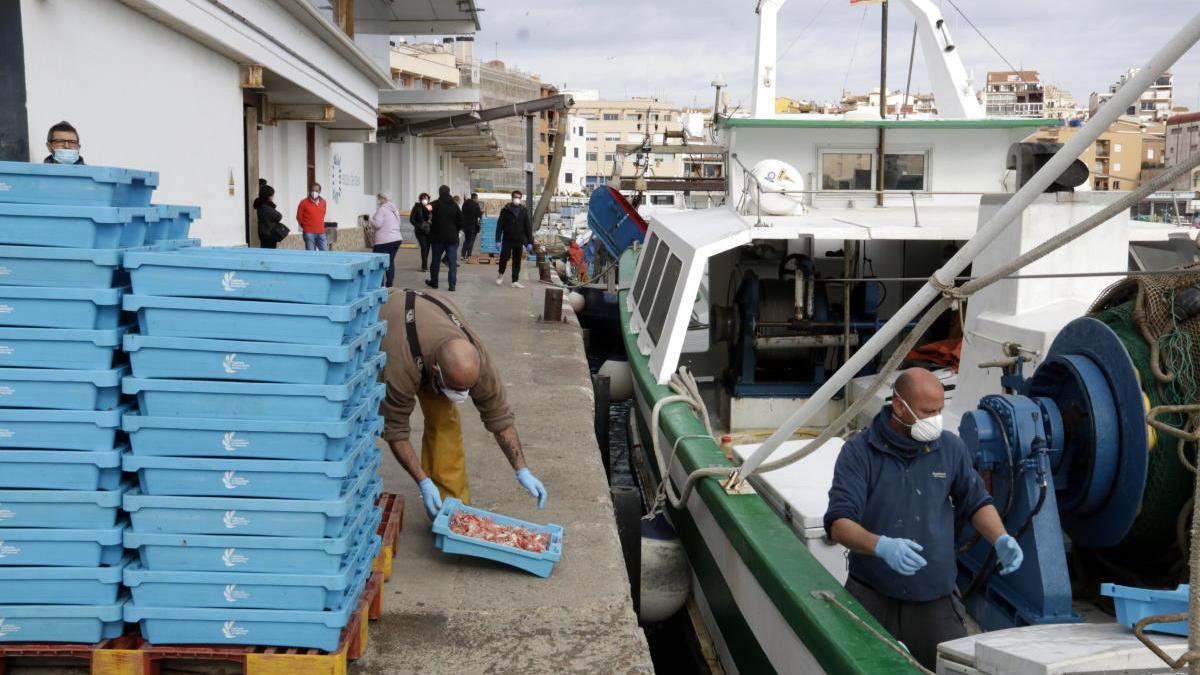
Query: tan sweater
x=403, y=379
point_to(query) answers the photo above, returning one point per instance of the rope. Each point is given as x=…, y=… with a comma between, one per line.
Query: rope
x=832, y=599
x=1177, y=345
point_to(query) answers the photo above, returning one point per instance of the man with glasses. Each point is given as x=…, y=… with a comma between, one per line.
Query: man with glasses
x=435, y=359
x=63, y=143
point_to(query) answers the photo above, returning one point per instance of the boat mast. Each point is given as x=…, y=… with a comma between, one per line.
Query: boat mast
x=764, y=60
x=883, y=40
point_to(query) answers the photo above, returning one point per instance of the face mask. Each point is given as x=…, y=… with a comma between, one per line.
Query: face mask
x=66, y=155
x=925, y=430
x=315, y=195
x=424, y=201
x=516, y=201
x=456, y=395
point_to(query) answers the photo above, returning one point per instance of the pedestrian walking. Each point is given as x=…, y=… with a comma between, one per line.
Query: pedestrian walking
x=419, y=217
x=310, y=214
x=271, y=229
x=472, y=221
x=446, y=223
x=386, y=224
x=514, y=233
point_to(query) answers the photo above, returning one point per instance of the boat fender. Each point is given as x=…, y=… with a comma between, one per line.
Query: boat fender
x=781, y=186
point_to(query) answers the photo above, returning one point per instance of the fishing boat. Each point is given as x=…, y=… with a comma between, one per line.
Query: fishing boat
x=764, y=319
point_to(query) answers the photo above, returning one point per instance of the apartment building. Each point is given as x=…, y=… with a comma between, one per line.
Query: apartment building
x=500, y=85
x=1014, y=93
x=1155, y=104
x=609, y=123
x=1182, y=140
x=574, y=165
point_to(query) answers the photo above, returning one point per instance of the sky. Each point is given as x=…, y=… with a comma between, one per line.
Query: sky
x=673, y=49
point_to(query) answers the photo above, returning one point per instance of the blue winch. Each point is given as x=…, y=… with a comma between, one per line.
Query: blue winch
x=1065, y=457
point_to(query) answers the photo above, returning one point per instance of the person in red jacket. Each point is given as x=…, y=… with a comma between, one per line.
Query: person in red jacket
x=311, y=217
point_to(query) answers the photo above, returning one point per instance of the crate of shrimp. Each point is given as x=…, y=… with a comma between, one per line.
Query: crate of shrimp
x=464, y=530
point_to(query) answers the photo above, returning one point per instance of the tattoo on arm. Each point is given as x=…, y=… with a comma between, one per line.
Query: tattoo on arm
x=510, y=445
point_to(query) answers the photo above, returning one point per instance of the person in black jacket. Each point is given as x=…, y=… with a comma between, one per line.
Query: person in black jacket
x=446, y=223
x=472, y=217
x=271, y=229
x=514, y=232
x=419, y=216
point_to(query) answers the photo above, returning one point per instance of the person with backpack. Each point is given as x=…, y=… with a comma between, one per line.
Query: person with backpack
x=271, y=229
x=514, y=232
x=420, y=216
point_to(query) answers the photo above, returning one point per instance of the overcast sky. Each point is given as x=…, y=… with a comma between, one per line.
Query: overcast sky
x=672, y=49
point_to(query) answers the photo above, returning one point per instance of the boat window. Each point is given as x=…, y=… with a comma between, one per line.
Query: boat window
x=662, y=200
x=905, y=171
x=651, y=282
x=646, y=258
x=666, y=291
x=845, y=171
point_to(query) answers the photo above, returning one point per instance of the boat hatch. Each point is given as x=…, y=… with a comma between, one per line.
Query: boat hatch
x=668, y=277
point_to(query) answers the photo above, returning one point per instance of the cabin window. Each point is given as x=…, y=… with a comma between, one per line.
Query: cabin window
x=646, y=258
x=651, y=282
x=904, y=171
x=662, y=303
x=662, y=200
x=845, y=171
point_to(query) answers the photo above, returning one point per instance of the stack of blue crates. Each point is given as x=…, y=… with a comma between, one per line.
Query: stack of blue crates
x=64, y=231
x=256, y=376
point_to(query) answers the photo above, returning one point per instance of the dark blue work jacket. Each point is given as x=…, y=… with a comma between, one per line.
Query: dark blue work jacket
x=895, y=486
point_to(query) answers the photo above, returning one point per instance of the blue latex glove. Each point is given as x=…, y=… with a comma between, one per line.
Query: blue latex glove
x=529, y=248
x=1010, y=554
x=430, y=497
x=902, y=555
x=530, y=482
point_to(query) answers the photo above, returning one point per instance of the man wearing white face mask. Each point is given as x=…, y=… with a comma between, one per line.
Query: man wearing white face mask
x=63, y=143
x=436, y=360
x=897, y=488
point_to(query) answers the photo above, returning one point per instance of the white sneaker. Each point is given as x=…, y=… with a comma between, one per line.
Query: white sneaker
x=517, y=284
x=499, y=281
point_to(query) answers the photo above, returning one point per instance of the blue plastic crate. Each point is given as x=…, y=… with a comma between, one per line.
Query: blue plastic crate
x=249, y=590
x=60, y=348
x=82, y=184
x=1134, y=604
x=198, y=358
x=247, y=554
x=57, y=226
x=250, y=439
x=246, y=516
x=60, y=470
x=84, y=624
x=264, y=478
x=32, y=429
x=77, y=509
x=47, y=307
x=174, y=244
x=61, y=389
x=62, y=267
x=374, y=340
x=212, y=273
x=376, y=263
x=375, y=301
x=62, y=585
x=30, y=547
x=250, y=320
x=261, y=627
x=254, y=400
x=541, y=564
x=177, y=221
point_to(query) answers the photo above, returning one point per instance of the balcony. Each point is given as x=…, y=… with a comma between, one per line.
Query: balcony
x=1032, y=110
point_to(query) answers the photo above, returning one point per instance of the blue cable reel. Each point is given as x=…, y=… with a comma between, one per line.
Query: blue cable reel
x=1066, y=460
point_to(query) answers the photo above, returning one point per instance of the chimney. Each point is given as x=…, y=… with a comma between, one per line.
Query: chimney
x=464, y=49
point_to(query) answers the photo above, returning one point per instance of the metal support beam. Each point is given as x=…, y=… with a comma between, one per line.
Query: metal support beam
x=529, y=118
x=302, y=112
x=561, y=102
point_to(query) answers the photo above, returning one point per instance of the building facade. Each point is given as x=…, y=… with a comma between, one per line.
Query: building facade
x=1154, y=105
x=499, y=85
x=574, y=165
x=1015, y=93
x=1182, y=140
x=1115, y=159
x=609, y=123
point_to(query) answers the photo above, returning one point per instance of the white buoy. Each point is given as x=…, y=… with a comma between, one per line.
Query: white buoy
x=576, y=301
x=620, y=379
x=666, y=579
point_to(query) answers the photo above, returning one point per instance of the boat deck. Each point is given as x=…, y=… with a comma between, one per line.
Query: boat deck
x=448, y=614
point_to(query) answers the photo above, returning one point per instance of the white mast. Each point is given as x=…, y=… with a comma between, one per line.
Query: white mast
x=951, y=87
x=764, y=60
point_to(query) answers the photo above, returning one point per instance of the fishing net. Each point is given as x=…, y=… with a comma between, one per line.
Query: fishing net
x=1166, y=352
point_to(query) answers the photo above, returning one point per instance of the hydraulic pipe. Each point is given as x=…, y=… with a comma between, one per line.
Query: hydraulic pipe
x=1104, y=117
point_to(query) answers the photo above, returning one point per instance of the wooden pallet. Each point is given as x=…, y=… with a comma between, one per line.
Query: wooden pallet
x=131, y=655
x=389, y=532
x=485, y=259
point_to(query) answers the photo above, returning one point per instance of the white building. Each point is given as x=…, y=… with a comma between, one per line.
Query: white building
x=574, y=163
x=215, y=95
x=1154, y=105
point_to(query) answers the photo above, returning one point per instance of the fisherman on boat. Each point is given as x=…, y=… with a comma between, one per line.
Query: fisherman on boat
x=897, y=489
x=434, y=358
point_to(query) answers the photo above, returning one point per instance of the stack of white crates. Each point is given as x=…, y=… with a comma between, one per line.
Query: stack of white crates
x=256, y=376
x=64, y=231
